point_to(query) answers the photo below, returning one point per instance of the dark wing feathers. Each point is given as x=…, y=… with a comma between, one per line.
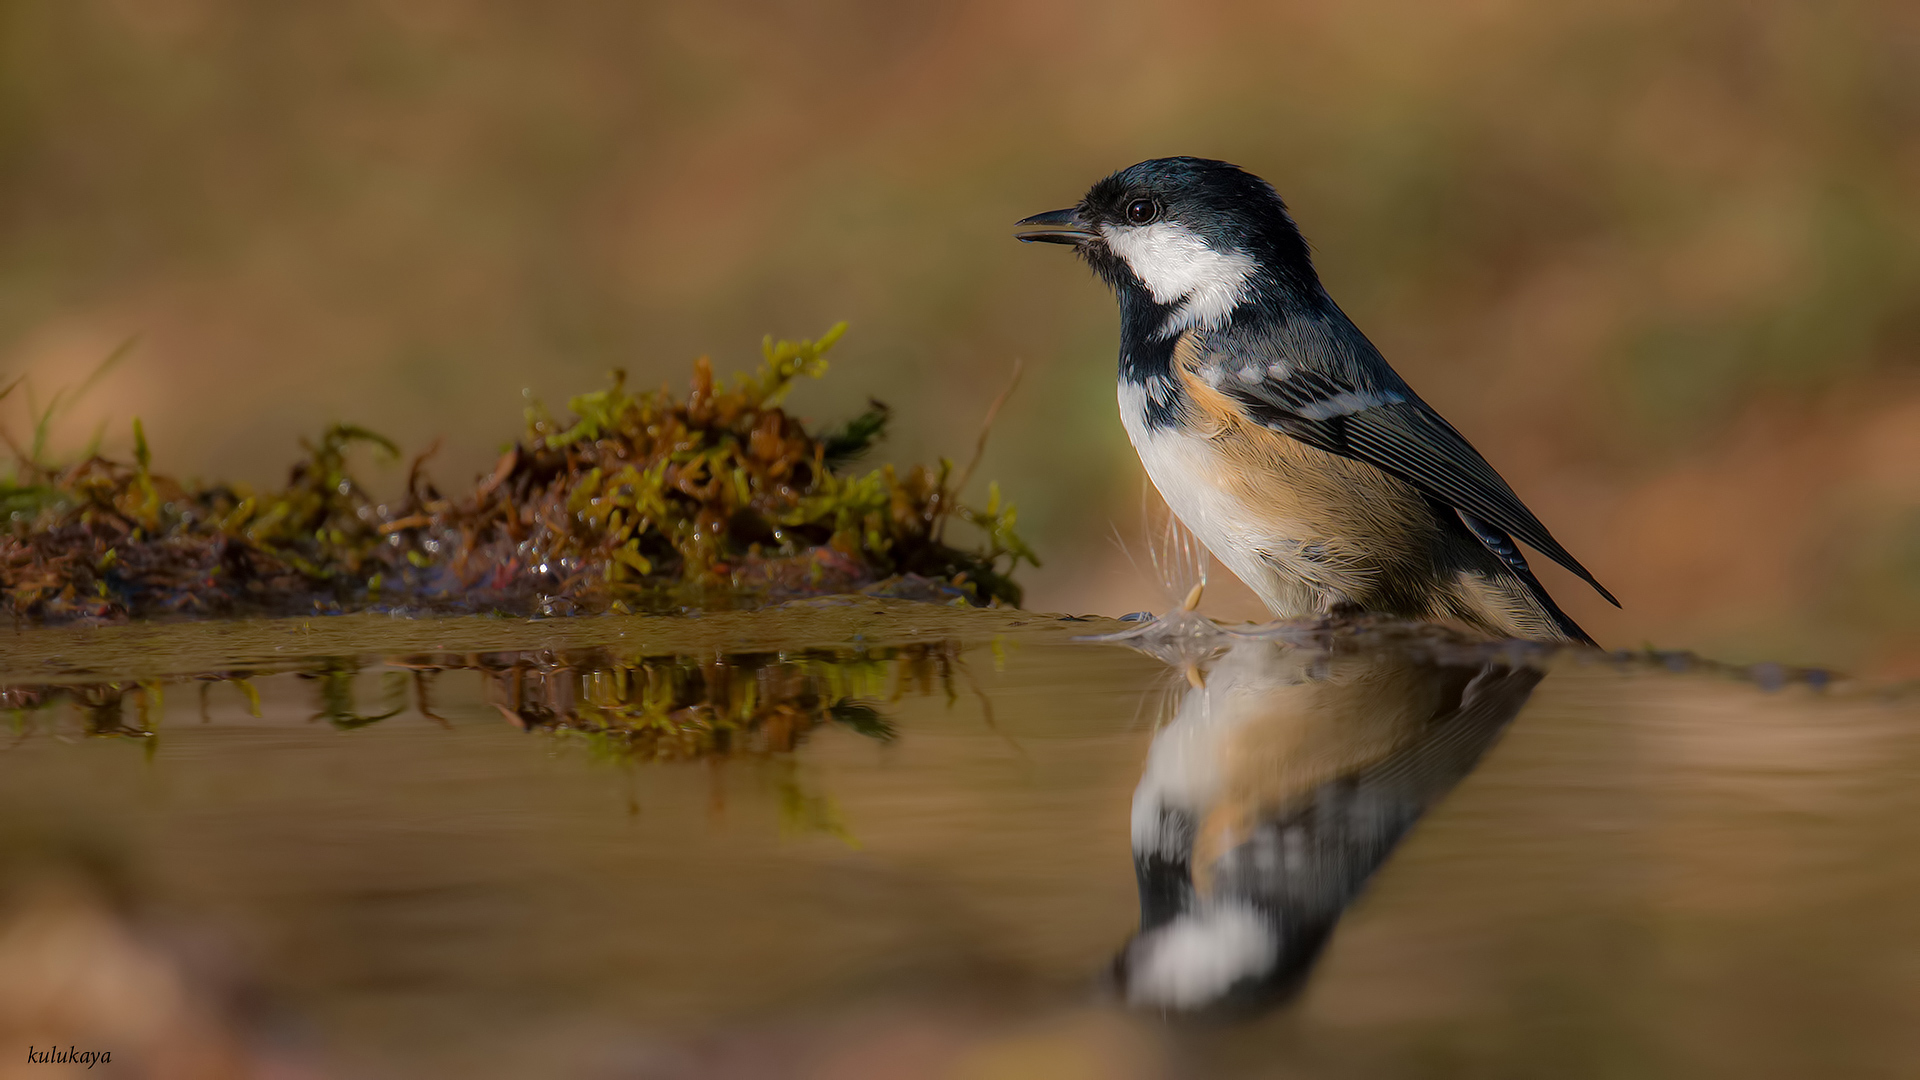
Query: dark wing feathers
x=1391, y=429
x=1502, y=547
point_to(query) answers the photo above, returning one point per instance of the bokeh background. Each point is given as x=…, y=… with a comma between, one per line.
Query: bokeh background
x=1660, y=261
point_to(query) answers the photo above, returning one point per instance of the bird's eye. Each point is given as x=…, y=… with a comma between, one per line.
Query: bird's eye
x=1141, y=211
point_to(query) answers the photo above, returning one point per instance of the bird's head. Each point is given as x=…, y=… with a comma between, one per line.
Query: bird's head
x=1188, y=242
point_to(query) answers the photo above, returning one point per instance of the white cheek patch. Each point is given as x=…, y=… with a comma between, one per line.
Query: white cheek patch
x=1178, y=266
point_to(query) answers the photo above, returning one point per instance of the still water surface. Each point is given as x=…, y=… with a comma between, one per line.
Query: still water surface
x=876, y=840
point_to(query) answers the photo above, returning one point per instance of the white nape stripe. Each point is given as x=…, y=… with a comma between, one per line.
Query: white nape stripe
x=1178, y=266
x=1347, y=403
x=1193, y=960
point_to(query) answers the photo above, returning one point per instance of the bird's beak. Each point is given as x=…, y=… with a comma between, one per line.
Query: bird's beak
x=1054, y=227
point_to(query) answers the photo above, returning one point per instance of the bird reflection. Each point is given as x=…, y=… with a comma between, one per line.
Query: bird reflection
x=1284, y=779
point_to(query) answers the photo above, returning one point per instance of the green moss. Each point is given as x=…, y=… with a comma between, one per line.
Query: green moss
x=634, y=500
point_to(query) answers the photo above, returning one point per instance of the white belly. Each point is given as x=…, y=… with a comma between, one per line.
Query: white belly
x=1187, y=476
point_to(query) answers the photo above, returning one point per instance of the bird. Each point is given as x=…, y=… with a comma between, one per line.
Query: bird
x=1278, y=433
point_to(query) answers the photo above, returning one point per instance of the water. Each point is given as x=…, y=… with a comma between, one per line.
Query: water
x=879, y=839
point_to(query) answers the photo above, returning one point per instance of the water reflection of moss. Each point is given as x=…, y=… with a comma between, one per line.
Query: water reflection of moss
x=678, y=708
x=334, y=679
x=617, y=706
x=637, y=500
x=100, y=708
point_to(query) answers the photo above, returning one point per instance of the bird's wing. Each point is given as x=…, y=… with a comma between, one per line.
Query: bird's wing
x=1391, y=429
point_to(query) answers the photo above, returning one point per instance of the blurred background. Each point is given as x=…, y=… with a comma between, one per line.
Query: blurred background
x=1660, y=261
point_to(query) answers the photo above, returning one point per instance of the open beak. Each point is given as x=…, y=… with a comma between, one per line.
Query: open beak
x=1054, y=227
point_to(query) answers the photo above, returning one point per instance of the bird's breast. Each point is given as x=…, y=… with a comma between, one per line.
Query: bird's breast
x=1302, y=527
x=1194, y=477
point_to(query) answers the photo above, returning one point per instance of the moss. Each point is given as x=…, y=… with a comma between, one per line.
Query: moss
x=635, y=500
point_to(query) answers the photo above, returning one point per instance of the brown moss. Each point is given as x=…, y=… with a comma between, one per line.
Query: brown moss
x=636, y=500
